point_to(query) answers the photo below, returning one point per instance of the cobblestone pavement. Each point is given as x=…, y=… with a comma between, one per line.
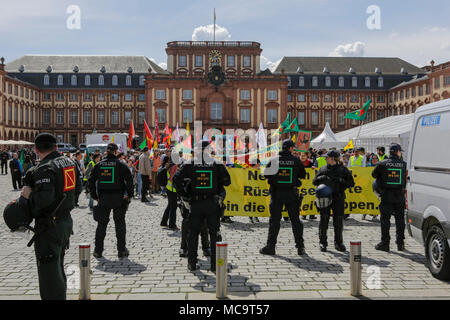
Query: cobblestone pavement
x=155, y=271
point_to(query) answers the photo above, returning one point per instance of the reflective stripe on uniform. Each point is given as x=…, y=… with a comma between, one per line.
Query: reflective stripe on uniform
x=169, y=185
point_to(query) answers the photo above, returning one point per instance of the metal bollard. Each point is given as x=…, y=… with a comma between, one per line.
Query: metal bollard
x=85, y=271
x=221, y=270
x=355, y=268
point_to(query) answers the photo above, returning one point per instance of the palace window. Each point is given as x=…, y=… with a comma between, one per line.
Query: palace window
x=355, y=98
x=59, y=117
x=272, y=95
x=87, y=80
x=114, y=117
x=73, y=117
x=187, y=115
x=380, y=115
x=161, y=115
x=341, y=119
x=354, y=82
x=301, y=98
x=141, y=80
x=60, y=80
x=128, y=81
x=216, y=111
x=447, y=80
x=187, y=94
x=327, y=82
x=101, y=117
x=289, y=81
x=115, y=80
x=87, y=97
x=314, y=97
x=314, y=118
x=413, y=91
x=341, y=98
x=245, y=94
x=46, y=80
x=289, y=98
x=114, y=97
x=315, y=81
x=73, y=97
x=301, y=117
x=128, y=117
x=230, y=61
x=73, y=80
x=367, y=82
x=87, y=117
x=437, y=82
x=327, y=98
x=328, y=117
x=128, y=97
x=46, y=96
x=101, y=80
x=245, y=115
x=101, y=97
x=141, y=97
x=161, y=94
x=341, y=82
x=59, y=96
x=380, y=82
x=301, y=81
x=182, y=61
x=199, y=61
x=380, y=98
x=141, y=117
x=46, y=117
x=272, y=115
x=247, y=61
x=420, y=90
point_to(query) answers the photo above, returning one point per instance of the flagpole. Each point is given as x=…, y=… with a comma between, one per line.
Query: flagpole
x=214, y=24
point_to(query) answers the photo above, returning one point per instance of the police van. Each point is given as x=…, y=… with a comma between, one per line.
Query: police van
x=428, y=185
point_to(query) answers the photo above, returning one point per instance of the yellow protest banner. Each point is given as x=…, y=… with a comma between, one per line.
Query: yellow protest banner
x=248, y=194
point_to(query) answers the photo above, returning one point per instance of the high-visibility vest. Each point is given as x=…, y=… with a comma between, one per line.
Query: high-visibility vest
x=381, y=158
x=169, y=185
x=89, y=168
x=321, y=161
x=357, y=163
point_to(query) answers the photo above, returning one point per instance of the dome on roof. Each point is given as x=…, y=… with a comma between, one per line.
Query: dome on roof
x=103, y=69
x=76, y=69
x=49, y=69
x=130, y=70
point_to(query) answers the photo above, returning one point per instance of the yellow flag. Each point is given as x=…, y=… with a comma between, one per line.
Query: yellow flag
x=293, y=138
x=349, y=145
x=187, y=127
x=112, y=139
x=155, y=145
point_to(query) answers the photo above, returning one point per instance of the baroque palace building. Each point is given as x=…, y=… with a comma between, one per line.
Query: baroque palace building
x=71, y=96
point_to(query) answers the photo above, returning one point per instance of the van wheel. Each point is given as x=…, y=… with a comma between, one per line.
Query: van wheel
x=438, y=253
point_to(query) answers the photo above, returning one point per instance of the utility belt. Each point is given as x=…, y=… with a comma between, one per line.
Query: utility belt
x=202, y=197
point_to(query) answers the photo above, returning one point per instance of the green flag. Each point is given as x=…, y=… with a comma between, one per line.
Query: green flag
x=86, y=159
x=359, y=114
x=143, y=144
x=293, y=127
x=286, y=122
x=22, y=158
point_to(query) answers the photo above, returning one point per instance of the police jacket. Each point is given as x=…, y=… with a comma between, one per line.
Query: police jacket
x=391, y=176
x=201, y=178
x=290, y=171
x=337, y=177
x=109, y=181
x=14, y=166
x=4, y=156
x=53, y=182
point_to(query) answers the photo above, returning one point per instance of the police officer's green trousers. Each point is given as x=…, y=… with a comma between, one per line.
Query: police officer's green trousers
x=50, y=247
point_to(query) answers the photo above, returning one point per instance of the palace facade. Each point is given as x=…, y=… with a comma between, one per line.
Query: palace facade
x=71, y=96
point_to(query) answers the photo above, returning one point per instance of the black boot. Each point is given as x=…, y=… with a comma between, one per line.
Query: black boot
x=301, y=250
x=207, y=252
x=97, y=254
x=267, y=250
x=323, y=247
x=382, y=246
x=124, y=253
x=400, y=245
x=339, y=247
x=192, y=266
x=183, y=253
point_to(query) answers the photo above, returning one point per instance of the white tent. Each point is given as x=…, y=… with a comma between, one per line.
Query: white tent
x=380, y=133
x=327, y=139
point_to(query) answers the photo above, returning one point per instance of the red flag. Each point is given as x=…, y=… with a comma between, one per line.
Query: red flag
x=131, y=134
x=157, y=135
x=148, y=135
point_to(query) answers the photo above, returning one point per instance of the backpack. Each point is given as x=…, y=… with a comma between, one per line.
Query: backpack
x=161, y=176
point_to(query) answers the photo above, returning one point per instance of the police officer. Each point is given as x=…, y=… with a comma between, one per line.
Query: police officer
x=111, y=185
x=336, y=176
x=390, y=175
x=206, y=178
x=284, y=192
x=380, y=153
x=4, y=156
x=50, y=191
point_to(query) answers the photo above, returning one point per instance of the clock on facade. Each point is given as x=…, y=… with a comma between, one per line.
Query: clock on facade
x=215, y=57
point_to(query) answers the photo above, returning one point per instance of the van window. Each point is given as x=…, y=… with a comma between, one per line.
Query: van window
x=432, y=135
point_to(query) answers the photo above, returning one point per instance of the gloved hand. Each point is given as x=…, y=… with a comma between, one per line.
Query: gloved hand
x=321, y=179
x=338, y=180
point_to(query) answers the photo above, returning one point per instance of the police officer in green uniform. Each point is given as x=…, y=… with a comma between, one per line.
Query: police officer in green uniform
x=50, y=191
x=284, y=192
x=111, y=184
x=390, y=175
x=206, y=178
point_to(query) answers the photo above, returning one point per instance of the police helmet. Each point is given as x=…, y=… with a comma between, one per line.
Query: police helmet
x=112, y=147
x=288, y=143
x=394, y=147
x=333, y=154
x=323, y=196
x=16, y=215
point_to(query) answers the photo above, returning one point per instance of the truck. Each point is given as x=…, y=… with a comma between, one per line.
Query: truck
x=99, y=141
x=428, y=185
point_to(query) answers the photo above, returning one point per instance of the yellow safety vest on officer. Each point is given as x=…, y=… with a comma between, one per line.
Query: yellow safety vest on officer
x=356, y=162
x=170, y=185
x=89, y=168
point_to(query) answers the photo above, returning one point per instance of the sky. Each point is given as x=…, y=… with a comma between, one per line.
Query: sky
x=416, y=31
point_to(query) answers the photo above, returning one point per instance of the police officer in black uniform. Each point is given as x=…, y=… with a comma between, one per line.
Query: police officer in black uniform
x=336, y=176
x=284, y=192
x=4, y=156
x=390, y=175
x=50, y=192
x=111, y=184
x=206, y=178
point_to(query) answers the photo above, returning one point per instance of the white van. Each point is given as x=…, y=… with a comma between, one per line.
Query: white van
x=428, y=186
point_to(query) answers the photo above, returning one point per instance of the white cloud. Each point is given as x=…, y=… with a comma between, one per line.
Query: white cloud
x=206, y=33
x=266, y=63
x=161, y=64
x=355, y=49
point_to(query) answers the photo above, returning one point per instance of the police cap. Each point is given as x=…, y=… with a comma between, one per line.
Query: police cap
x=333, y=154
x=112, y=147
x=45, y=138
x=288, y=143
x=395, y=147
